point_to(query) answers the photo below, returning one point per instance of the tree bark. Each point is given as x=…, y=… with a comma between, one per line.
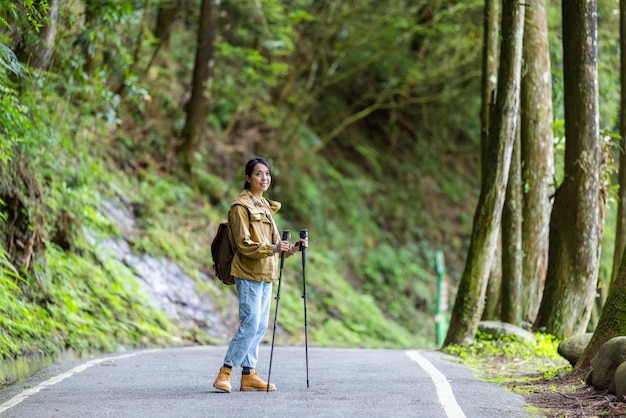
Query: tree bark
x=620, y=229
x=537, y=155
x=491, y=28
x=195, y=123
x=468, y=305
x=163, y=28
x=491, y=312
x=491, y=33
x=577, y=219
x=612, y=321
x=165, y=18
x=512, y=241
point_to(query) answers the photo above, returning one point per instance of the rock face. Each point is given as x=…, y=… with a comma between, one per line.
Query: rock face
x=499, y=329
x=169, y=288
x=573, y=348
x=609, y=358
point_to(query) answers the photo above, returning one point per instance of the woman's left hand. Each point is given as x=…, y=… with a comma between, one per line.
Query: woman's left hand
x=299, y=244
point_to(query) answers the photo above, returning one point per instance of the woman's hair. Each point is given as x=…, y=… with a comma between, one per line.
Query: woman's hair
x=250, y=168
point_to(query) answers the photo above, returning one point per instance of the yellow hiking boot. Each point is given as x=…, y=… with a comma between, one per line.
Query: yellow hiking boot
x=252, y=381
x=222, y=381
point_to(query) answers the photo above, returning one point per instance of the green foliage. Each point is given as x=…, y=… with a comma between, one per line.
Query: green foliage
x=390, y=272
x=258, y=48
x=33, y=18
x=338, y=315
x=25, y=327
x=53, y=166
x=512, y=354
x=96, y=304
x=15, y=126
x=608, y=62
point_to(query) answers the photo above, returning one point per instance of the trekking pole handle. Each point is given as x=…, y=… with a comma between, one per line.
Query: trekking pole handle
x=285, y=237
x=304, y=234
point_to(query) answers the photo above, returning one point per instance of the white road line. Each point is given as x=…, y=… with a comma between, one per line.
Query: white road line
x=59, y=378
x=444, y=390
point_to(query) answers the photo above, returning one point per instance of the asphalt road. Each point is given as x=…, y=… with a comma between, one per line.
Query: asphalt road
x=178, y=382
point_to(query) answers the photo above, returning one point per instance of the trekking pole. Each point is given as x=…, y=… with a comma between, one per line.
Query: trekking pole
x=286, y=235
x=304, y=235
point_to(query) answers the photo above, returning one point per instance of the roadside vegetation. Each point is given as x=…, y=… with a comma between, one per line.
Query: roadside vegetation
x=510, y=356
x=524, y=368
x=535, y=371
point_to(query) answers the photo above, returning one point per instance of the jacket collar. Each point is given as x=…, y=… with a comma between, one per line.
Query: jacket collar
x=244, y=199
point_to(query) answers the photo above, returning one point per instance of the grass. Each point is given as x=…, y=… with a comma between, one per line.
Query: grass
x=505, y=359
x=535, y=371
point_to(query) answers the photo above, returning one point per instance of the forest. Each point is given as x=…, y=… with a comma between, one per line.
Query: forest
x=486, y=131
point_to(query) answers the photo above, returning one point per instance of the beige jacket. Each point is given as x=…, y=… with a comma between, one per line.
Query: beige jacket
x=253, y=235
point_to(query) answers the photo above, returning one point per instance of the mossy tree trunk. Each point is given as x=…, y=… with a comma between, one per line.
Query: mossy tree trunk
x=491, y=311
x=469, y=303
x=577, y=219
x=511, y=290
x=491, y=34
x=491, y=43
x=620, y=229
x=197, y=108
x=537, y=156
x=612, y=322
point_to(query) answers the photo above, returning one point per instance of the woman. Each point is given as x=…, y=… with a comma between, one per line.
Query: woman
x=258, y=246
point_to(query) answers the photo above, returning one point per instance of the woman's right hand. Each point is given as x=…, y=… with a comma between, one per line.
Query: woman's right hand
x=282, y=246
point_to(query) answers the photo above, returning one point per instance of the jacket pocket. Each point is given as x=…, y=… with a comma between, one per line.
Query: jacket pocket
x=261, y=227
x=258, y=217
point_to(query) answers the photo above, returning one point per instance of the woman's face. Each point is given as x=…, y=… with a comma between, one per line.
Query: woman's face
x=260, y=179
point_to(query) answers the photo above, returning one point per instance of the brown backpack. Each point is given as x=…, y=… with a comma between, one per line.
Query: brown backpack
x=222, y=253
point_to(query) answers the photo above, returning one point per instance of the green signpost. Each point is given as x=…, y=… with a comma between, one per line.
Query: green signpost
x=441, y=318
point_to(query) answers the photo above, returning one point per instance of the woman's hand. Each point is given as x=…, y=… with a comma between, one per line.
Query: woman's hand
x=300, y=244
x=282, y=246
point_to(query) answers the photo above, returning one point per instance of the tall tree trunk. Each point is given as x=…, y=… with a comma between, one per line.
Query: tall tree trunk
x=165, y=18
x=163, y=28
x=612, y=322
x=468, y=305
x=195, y=124
x=491, y=312
x=577, y=220
x=512, y=241
x=491, y=34
x=537, y=155
x=620, y=229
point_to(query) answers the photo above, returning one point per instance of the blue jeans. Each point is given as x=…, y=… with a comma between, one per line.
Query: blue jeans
x=254, y=312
